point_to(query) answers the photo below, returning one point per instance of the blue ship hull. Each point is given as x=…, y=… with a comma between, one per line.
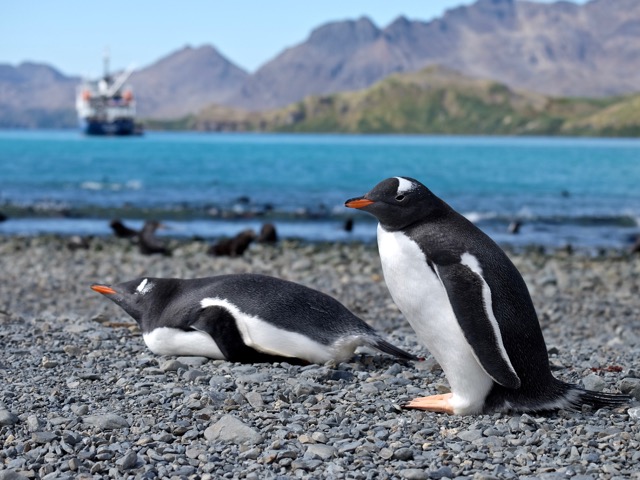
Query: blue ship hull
x=125, y=126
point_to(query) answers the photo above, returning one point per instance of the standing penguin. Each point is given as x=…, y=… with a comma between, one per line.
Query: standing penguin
x=244, y=318
x=468, y=304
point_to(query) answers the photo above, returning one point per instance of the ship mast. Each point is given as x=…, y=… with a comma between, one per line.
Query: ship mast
x=105, y=62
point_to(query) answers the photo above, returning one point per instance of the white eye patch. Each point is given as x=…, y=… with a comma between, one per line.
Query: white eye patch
x=144, y=287
x=404, y=185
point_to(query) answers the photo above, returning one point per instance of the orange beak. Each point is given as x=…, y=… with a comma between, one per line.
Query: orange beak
x=105, y=290
x=358, y=203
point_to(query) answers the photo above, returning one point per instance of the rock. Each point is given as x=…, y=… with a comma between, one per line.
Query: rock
x=219, y=381
x=442, y=472
x=403, y=454
x=251, y=454
x=7, y=418
x=33, y=423
x=43, y=437
x=127, y=462
x=46, y=363
x=109, y=421
x=634, y=413
x=348, y=447
x=253, y=378
x=254, y=399
x=338, y=375
x=631, y=386
x=301, y=265
x=173, y=366
x=470, y=435
x=80, y=409
x=414, y=474
x=230, y=429
x=385, y=453
x=193, y=361
x=11, y=475
x=72, y=438
x=593, y=382
x=319, y=437
x=192, y=375
x=323, y=452
x=72, y=350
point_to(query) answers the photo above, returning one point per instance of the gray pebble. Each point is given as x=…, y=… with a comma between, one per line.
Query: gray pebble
x=72, y=350
x=254, y=399
x=593, y=382
x=7, y=418
x=219, y=380
x=173, y=366
x=193, y=361
x=414, y=474
x=128, y=461
x=322, y=452
x=253, y=378
x=192, y=375
x=251, y=454
x=33, y=423
x=230, y=429
x=109, y=421
x=11, y=475
x=403, y=454
x=319, y=437
x=631, y=386
x=470, y=435
x=80, y=409
x=442, y=472
x=43, y=437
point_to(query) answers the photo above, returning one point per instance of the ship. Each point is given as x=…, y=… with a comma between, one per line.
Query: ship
x=106, y=106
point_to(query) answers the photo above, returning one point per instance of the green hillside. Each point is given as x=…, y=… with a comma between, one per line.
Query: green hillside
x=434, y=101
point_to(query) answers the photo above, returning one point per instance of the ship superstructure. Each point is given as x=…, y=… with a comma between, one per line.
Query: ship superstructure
x=106, y=106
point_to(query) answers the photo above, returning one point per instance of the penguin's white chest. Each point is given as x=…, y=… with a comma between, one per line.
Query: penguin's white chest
x=423, y=300
x=173, y=341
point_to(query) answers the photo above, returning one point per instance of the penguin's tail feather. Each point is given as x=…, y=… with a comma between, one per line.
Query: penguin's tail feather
x=573, y=397
x=384, y=346
x=558, y=395
x=599, y=399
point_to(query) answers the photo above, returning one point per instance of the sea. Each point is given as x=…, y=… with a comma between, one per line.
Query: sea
x=577, y=192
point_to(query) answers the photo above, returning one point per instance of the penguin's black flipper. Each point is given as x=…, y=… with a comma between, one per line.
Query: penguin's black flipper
x=469, y=294
x=221, y=325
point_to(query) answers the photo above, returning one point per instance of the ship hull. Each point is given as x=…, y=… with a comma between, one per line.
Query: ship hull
x=120, y=127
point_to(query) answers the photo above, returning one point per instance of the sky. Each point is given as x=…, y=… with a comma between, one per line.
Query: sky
x=72, y=35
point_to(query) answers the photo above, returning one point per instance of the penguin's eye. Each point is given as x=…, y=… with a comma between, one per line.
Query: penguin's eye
x=400, y=198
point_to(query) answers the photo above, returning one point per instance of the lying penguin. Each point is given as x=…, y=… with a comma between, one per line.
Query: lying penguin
x=468, y=304
x=244, y=318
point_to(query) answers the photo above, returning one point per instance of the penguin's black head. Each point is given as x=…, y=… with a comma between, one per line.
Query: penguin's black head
x=398, y=202
x=134, y=297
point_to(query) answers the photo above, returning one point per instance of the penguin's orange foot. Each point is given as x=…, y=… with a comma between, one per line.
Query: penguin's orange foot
x=432, y=403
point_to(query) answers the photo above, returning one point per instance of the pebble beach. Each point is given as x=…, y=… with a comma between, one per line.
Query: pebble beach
x=82, y=397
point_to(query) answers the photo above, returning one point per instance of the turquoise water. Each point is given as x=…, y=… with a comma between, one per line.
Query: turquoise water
x=579, y=191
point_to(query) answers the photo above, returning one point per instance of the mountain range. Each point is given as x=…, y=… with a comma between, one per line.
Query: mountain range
x=556, y=49
x=435, y=100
